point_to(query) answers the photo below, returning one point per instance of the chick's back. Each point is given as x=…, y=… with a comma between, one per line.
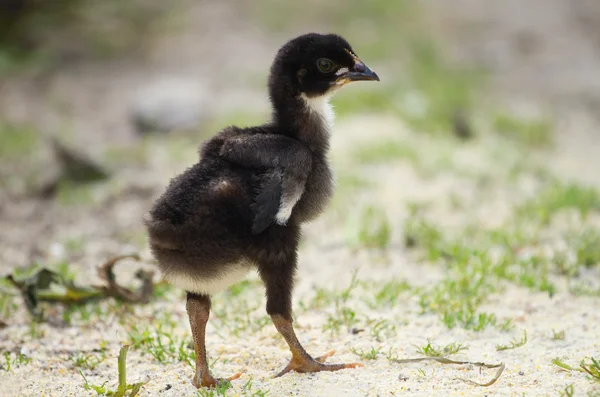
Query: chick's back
x=211, y=199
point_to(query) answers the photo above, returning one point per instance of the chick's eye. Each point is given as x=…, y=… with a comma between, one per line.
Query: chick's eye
x=325, y=65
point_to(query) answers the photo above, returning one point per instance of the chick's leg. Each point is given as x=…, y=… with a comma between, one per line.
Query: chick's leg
x=279, y=284
x=198, y=308
x=302, y=361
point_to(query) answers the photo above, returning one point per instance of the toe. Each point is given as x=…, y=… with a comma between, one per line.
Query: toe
x=284, y=371
x=234, y=377
x=354, y=365
x=321, y=359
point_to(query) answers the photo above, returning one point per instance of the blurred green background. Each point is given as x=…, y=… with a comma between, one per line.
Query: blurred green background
x=100, y=75
x=102, y=102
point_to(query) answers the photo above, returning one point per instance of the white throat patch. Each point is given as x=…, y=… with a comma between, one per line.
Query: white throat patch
x=320, y=106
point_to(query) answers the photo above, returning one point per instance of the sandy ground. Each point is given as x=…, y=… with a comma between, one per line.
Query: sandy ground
x=327, y=262
x=88, y=234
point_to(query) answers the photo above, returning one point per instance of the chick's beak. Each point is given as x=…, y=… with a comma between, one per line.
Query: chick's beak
x=361, y=72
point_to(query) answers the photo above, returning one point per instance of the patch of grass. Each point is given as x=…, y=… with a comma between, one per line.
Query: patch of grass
x=559, y=363
x=12, y=361
x=466, y=286
x=241, y=315
x=391, y=355
x=558, y=335
x=242, y=311
x=219, y=390
x=507, y=325
x=65, y=270
x=515, y=343
x=381, y=329
x=586, y=244
x=533, y=133
x=371, y=354
x=568, y=391
x=420, y=233
x=531, y=272
x=476, y=258
x=322, y=299
x=374, y=229
x=388, y=293
x=468, y=318
x=35, y=331
x=458, y=296
x=85, y=314
x=557, y=197
x=430, y=350
x=123, y=386
x=88, y=360
x=248, y=390
x=592, y=368
x=161, y=343
x=344, y=315
x=100, y=390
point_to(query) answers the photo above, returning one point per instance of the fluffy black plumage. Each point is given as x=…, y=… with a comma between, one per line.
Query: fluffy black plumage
x=241, y=206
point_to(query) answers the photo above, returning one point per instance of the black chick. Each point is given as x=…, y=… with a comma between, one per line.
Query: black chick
x=241, y=206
